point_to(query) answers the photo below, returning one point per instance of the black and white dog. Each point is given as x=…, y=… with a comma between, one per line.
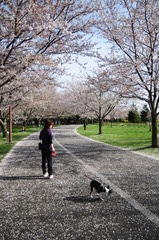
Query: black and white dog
x=99, y=187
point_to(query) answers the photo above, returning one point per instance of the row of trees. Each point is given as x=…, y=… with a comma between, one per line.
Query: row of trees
x=37, y=37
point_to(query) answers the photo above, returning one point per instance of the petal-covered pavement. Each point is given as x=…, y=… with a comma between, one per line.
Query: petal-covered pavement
x=35, y=208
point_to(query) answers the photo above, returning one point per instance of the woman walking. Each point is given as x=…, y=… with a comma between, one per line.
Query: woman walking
x=47, y=149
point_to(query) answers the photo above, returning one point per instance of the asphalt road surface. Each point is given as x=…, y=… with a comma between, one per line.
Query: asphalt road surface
x=34, y=208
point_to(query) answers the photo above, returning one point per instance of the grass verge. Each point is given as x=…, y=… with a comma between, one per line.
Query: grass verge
x=18, y=135
x=136, y=137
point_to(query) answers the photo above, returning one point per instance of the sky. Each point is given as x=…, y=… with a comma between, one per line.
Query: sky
x=86, y=64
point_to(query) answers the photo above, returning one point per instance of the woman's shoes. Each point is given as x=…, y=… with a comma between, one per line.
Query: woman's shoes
x=46, y=175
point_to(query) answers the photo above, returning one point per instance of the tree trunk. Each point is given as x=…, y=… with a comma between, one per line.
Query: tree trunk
x=154, y=129
x=100, y=120
x=3, y=124
x=85, y=123
x=37, y=122
x=100, y=126
x=23, y=126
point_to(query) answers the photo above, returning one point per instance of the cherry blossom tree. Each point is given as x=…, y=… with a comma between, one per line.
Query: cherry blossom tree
x=94, y=97
x=36, y=78
x=44, y=103
x=30, y=28
x=132, y=28
x=76, y=99
x=38, y=104
x=101, y=98
x=39, y=31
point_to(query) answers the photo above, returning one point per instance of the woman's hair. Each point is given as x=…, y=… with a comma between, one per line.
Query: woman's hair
x=48, y=123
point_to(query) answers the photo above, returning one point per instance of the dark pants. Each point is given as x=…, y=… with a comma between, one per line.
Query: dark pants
x=46, y=162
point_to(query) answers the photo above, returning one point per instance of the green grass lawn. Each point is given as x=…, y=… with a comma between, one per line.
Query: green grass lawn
x=5, y=146
x=135, y=137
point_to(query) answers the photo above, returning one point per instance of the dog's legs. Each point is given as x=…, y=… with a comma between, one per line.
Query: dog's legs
x=98, y=194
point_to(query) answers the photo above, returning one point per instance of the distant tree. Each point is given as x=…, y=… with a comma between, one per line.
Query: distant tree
x=101, y=100
x=94, y=97
x=133, y=115
x=144, y=114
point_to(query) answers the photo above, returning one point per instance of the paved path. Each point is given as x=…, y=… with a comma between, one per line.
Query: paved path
x=34, y=208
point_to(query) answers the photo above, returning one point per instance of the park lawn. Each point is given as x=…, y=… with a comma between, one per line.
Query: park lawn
x=136, y=137
x=18, y=135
